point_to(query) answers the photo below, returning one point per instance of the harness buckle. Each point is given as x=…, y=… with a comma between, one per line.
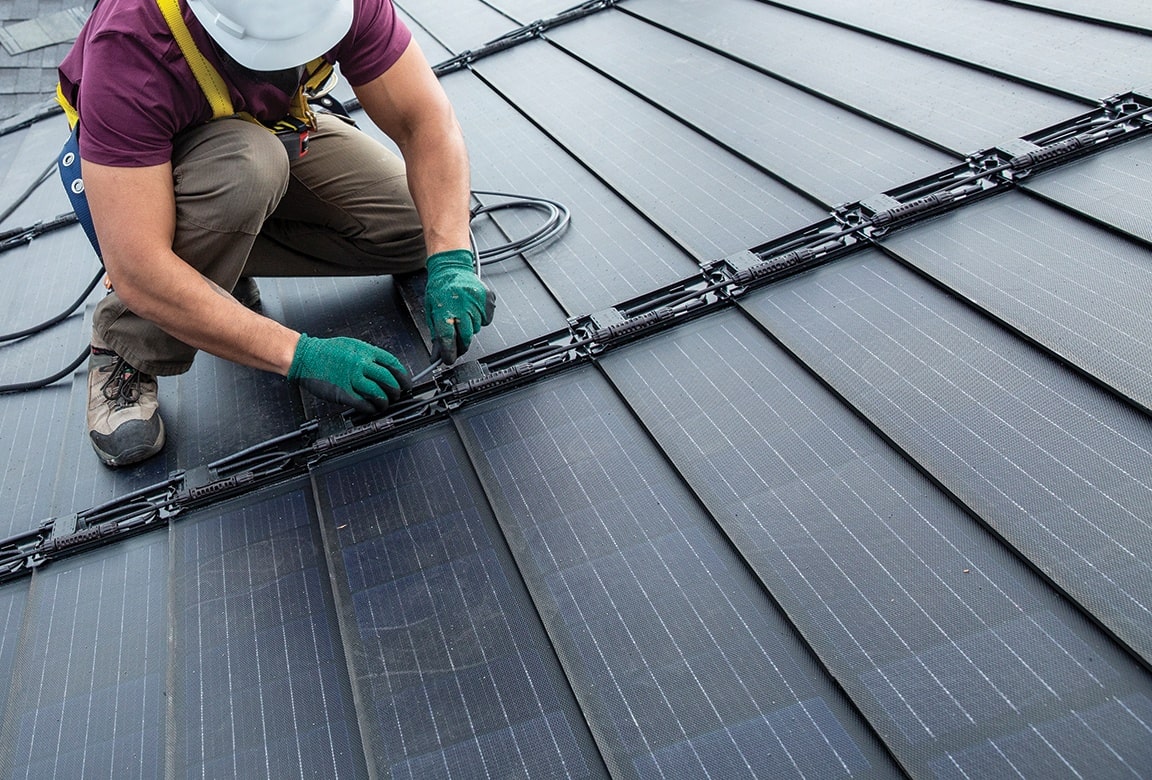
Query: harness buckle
x=293, y=133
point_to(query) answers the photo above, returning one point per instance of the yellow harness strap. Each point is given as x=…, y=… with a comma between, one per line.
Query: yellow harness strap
x=319, y=70
x=207, y=77
x=69, y=109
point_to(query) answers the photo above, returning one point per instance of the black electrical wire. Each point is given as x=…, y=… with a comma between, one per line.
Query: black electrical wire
x=43, y=177
x=558, y=219
x=35, y=384
x=59, y=317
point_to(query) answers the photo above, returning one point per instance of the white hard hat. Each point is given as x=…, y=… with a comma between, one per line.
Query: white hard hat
x=274, y=34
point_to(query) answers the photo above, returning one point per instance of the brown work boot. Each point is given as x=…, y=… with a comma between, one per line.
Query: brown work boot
x=124, y=422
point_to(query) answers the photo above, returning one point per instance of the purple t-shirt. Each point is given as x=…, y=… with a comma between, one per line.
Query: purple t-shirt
x=135, y=92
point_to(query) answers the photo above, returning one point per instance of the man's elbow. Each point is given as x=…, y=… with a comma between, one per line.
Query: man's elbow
x=437, y=127
x=136, y=290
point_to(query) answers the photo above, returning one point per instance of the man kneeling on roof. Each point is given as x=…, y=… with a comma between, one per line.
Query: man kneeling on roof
x=192, y=126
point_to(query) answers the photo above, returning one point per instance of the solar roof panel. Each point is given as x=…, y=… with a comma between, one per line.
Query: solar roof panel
x=457, y=25
x=935, y=631
x=454, y=674
x=1053, y=464
x=957, y=107
x=609, y=254
x=88, y=688
x=821, y=149
x=259, y=678
x=1115, y=188
x=672, y=648
x=527, y=10
x=1062, y=54
x=1077, y=289
x=705, y=198
x=1132, y=13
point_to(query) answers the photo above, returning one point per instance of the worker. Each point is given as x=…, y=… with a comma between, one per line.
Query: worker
x=190, y=201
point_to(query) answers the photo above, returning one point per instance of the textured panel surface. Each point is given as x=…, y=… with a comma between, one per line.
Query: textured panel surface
x=457, y=25
x=1056, y=466
x=609, y=254
x=525, y=11
x=89, y=694
x=260, y=682
x=710, y=201
x=1115, y=187
x=1086, y=60
x=933, y=628
x=830, y=153
x=13, y=602
x=455, y=675
x=1133, y=13
x=952, y=105
x=1077, y=289
x=677, y=656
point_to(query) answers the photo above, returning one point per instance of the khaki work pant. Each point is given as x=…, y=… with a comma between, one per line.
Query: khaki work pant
x=343, y=209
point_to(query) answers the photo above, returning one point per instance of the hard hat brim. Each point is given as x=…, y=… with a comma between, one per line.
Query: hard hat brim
x=278, y=54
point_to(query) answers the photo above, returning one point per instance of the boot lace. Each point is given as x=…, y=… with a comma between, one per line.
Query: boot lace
x=122, y=387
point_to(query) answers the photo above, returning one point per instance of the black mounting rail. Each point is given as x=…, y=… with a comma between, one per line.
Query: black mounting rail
x=508, y=40
x=521, y=34
x=719, y=284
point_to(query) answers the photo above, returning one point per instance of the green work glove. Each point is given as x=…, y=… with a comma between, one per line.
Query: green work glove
x=348, y=371
x=456, y=303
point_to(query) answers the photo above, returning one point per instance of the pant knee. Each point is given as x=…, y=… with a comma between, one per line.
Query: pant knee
x=229, y=176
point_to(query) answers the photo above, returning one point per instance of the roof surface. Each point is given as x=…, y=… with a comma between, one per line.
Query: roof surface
x=891, y=516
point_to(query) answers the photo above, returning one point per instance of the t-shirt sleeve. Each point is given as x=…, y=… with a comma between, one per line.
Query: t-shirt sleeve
x=377, y=39
x=125, y=100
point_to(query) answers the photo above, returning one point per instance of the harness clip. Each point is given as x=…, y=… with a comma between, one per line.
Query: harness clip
x=293, y=133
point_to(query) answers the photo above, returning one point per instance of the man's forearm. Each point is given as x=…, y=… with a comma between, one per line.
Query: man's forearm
x=192, y=308
x=439, y=182
x=408, y=104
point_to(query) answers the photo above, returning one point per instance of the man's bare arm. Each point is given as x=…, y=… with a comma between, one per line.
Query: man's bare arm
x=134, y=212
x=408, y=103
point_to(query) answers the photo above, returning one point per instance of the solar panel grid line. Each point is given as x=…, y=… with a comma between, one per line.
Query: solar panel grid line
x=864, y=74
x=1109, y=188
x=1097, y=421
x=674, y=162
x=1125, y=222
x=1028, y=45
x=1056, y=529
x=13, y=603
x=1128, y=15
x=434, y=537
x=1045, y=271
x=1055, y=459
x=258, y=684
x=635, y=717
x=109, y=665
x=555, y=557
x=1125, y=390
x=780, y=127
x=667, y=383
